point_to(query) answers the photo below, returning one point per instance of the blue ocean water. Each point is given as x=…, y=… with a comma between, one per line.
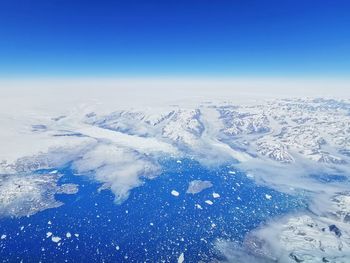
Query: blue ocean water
x=152, y=225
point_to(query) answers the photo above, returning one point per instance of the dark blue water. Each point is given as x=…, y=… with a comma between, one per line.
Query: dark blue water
x=152, y=225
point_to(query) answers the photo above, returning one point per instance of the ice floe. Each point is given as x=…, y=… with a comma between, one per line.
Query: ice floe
x=216, y=195
x=55, y=239
x=175, y=193
x=268, y=197
x=197, y=186
x=181, y=258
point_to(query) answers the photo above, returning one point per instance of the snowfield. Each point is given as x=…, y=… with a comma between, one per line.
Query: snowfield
x=293, y=145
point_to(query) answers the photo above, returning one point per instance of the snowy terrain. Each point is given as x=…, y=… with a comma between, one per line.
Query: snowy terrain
x=293, y=145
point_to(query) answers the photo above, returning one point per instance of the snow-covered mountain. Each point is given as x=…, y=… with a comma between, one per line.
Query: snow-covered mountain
x=281, y=142
x=314, y=133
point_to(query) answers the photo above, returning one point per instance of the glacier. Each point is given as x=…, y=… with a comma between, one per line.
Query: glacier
x=281, y=143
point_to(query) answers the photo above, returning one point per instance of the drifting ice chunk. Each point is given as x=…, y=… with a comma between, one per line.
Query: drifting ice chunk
x=3, y=236
x=209, y=202
x=197, y=186
x=56, y=239
x=48, y=234
x=198, y=206
x=216, y=195
x=181, y=258
x=175, y=193
x=268, y=197
x=68, y=235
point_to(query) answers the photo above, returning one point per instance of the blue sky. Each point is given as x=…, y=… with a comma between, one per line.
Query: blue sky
x=175, y=38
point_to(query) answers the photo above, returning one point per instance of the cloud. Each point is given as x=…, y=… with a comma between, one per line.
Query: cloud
x=118, y=168
x=233, y=252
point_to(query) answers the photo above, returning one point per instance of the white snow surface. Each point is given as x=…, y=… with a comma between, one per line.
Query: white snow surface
x=281, y=141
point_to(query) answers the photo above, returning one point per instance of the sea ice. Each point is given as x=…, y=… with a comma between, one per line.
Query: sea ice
x=197, y=186
x=216, y=195
x=268, y=197
x=175, y=193
x=198, y=206
x=181, y=258
x=55, y=239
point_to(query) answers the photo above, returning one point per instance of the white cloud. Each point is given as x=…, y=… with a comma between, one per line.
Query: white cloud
x=119, y=168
